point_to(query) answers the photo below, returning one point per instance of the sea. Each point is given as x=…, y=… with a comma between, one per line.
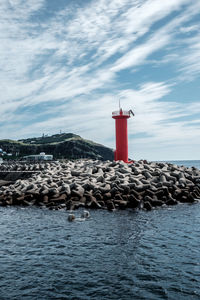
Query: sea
x=112, y=255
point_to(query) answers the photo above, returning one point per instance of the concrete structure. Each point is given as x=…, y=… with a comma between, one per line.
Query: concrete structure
x=121, y=116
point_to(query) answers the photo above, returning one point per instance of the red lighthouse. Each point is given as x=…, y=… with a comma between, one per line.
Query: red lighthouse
x=121, y=116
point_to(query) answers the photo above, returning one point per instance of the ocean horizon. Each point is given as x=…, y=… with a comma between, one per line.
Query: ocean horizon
x=186, y=163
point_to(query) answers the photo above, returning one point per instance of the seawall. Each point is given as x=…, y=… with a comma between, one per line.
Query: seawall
x=96, y=184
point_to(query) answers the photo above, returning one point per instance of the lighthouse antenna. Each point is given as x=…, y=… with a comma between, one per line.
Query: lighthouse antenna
x=131, y=112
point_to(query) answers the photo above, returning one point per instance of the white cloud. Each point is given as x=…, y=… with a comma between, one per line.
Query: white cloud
x=68, y=64
x=189, y=29
x=138, y=54
x=190, y=61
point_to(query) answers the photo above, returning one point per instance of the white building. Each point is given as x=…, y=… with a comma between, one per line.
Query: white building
x=38, y=157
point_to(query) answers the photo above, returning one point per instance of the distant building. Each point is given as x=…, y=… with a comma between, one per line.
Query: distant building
x=39, y=157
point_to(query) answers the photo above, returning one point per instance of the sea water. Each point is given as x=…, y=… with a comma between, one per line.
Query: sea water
x=112, y=255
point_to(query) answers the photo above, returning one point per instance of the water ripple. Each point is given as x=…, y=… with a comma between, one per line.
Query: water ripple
x=121, y=255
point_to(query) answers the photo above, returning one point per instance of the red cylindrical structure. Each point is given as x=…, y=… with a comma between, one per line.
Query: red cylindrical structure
x=121, y=152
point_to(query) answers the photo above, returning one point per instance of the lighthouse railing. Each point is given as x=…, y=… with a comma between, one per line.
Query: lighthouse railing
x=124, y=113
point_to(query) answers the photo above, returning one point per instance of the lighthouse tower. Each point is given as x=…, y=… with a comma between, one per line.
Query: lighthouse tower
x=121, y=116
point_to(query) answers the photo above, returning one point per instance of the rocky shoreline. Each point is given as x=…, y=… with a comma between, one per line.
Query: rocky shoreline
x=98, y=185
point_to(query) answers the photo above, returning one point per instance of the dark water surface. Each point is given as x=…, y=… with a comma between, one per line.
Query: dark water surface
x=119, y=255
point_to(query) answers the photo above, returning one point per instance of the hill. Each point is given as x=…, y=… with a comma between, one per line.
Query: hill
x=64, y=145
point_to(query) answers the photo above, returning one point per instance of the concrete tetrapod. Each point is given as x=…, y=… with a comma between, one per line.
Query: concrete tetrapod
x=100, y=185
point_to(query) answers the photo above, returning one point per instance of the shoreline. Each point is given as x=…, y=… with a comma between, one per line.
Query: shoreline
x=98, y=185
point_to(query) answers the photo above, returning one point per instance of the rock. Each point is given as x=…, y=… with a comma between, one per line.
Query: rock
x=92, y=183
x=148, y=199
x=71, y=217
x=126, y=188
x=27, y=203
x=107, y=196
x=136, y=194
x=163, y=178
x=164, y=199
x=45, y=199
x=141, y=204
x=142, y=187
x=147, y=174
x=93, y=203
x=59, y=199
x=155, y=203
x=147, y=205
x=183, y=199
x=77, y=193
x=102, y=203
x=98, y=196
x=113, y=191
x=85, y=214
x=133, y=202
x=190, y=199
x=44, y=192
x=20, y=200
x=100, y=179
x=149, y=193
x=120, y=203
x=110, y=205
x=195, y=195
x=171, y=201
x=118, y=197
x=105, y=189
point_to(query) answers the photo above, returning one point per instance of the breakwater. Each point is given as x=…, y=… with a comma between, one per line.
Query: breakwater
x=101, y=185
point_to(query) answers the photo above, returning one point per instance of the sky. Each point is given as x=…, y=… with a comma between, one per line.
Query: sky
x=65, y=64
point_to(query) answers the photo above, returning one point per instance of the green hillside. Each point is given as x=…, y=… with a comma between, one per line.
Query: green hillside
x=56, y=138
x=64, y=145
